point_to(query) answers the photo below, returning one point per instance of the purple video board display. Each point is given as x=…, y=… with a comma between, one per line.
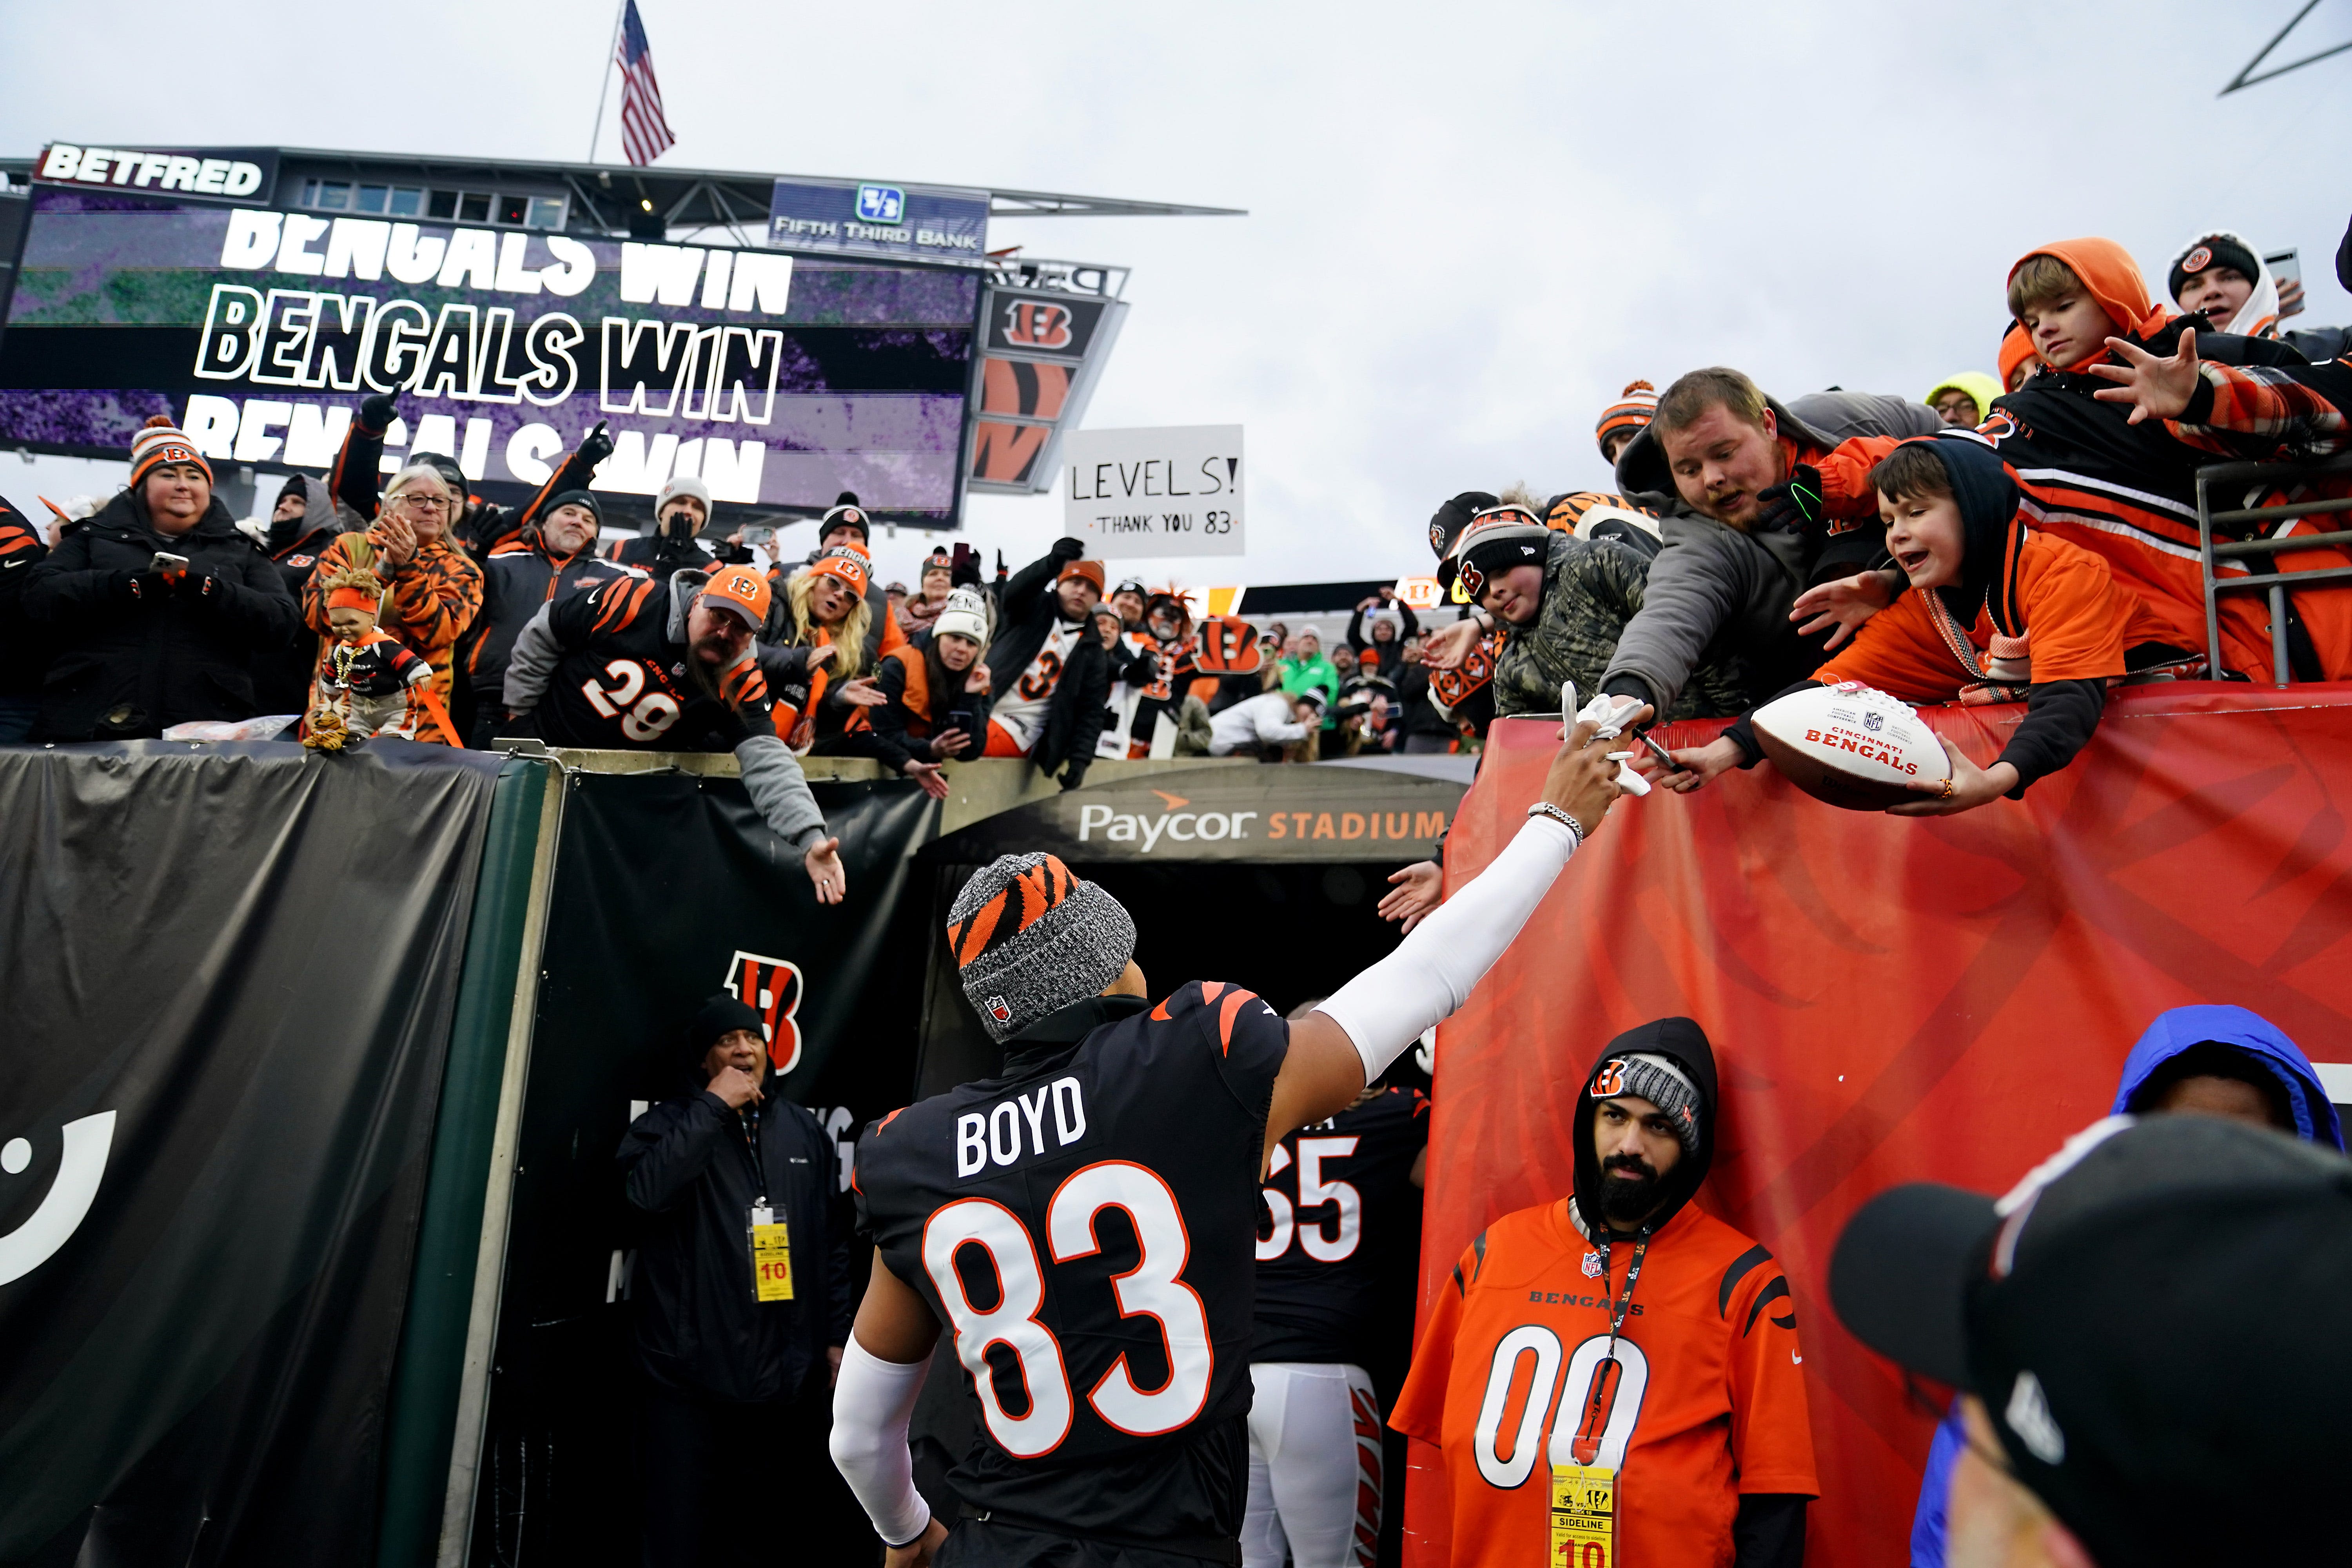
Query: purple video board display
x=779, y=380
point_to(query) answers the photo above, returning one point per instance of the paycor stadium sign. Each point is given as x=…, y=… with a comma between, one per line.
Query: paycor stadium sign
x=778, y=380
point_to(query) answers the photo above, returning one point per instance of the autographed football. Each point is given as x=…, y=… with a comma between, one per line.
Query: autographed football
x=1851, y=745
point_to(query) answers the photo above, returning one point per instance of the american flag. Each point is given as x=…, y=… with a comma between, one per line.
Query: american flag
x=645, y=134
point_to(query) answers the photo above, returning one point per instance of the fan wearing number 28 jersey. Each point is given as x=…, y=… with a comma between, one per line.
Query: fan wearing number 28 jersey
x=637, y=665
x=1701, y=1411
x=1083, y=1225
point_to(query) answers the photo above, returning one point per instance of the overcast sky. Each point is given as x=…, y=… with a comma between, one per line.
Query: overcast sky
x=1469, y=224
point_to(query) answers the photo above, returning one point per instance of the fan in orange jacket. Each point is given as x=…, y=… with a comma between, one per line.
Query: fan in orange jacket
x=1998, y=611
x=1694, y=1396
x=2271, y=413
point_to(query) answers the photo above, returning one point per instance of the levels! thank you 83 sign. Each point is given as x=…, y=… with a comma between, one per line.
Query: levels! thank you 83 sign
x=1176, y=492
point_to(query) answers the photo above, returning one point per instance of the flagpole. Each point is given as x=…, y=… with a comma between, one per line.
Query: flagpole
x=605, y=84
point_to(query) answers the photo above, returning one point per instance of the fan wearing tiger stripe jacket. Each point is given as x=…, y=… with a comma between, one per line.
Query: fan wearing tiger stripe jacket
x=640, y=666
x=1082, y=1222
x=1624, y=1329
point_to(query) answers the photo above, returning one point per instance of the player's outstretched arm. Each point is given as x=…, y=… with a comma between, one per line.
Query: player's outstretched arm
x=1368, y=1023
x=882, y=1372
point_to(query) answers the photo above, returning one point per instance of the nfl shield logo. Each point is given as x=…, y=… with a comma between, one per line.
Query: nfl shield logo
x=998, y=1010
x=1593, y=1266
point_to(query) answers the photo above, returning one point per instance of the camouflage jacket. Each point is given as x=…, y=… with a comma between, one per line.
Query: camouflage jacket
x=1591, y=588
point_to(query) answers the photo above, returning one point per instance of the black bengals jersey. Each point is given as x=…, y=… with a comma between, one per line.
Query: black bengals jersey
x=1337, y=1202
x=1082, y=1227
x=622, y=686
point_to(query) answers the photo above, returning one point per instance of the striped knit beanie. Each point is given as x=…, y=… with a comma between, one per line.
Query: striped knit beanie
x=1658, y=1079
x=1628, y=415
x=160, y=441
x=1030, y=939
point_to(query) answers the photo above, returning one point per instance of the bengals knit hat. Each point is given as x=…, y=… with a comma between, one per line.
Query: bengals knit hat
x=847, y=563
x=160, y=441
x=1634, y=408
x=1030, y=939
x=1092, y=571
x=2218, y=249
x=1658, y=1080
x=2162, y=1302
x=846, y=513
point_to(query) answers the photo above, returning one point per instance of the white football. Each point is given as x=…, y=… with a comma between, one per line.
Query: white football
x=1851, y=745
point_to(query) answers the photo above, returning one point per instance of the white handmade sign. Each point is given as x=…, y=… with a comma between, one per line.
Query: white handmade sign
x=1175, y=492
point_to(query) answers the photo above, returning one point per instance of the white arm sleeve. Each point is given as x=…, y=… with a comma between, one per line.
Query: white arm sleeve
x=1390, y=1006
x=873, y=1402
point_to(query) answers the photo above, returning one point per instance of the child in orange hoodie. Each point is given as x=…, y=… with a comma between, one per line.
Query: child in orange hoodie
x=1998, y=611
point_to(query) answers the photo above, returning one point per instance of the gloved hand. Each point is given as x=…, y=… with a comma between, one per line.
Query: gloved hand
x=377, y=412
x=1795, y=505
x=728, y=727
x=521, y=726
x=1073, y=775
x=595, y=445
x=196, y=583
x=1067, y=549
x=140, y=587
x=964, y=569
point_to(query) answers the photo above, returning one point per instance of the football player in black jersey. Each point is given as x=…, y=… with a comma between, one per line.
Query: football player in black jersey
x=1083, y=1222
x=1338, y=1201
x=641, y=666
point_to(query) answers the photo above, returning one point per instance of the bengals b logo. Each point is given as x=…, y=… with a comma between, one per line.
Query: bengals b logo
x=1034, y=324
x=772, y=988
x=1611, y=1081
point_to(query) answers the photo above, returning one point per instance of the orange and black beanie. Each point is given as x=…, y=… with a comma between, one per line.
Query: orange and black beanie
x=1630, y=414
x=1030, y=939
x=160, y=441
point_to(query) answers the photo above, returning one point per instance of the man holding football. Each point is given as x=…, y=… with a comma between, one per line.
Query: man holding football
x=1083, y=1224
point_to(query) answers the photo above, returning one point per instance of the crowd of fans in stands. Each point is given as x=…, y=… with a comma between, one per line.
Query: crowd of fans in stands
x=2031, y=536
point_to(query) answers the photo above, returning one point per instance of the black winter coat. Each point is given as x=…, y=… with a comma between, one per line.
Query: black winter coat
x=24, y=646
x=699, y=1329
x=1027, y=609
x=135, y=656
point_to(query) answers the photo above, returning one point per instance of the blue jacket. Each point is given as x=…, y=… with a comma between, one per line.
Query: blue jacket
x=2171, y=1034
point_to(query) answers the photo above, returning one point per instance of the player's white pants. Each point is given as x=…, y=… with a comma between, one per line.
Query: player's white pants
x=1313, y=1467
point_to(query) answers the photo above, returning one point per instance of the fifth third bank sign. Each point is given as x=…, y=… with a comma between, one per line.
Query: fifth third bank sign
x=1176, y=492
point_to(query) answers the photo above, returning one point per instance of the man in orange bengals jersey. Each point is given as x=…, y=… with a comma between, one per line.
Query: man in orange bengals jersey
x=1624, y=1334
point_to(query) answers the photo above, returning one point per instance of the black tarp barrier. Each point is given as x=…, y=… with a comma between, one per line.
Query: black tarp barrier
x=670, y=887
x=229, y=974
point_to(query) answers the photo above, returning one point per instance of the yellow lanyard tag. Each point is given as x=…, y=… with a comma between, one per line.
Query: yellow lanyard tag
x=772, y=1258
x=1584, y=1517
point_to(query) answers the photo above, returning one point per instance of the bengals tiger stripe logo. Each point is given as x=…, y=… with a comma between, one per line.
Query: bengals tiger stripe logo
x=1610, y=1080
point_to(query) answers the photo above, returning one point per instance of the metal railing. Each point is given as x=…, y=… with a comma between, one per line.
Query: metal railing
x=2239, y=520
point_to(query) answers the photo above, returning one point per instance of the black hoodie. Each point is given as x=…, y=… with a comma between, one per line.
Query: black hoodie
x=1683, y=1043
x=1769, y=1531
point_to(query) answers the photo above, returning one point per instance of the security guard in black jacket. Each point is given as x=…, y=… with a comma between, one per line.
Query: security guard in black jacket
x=742, y=1294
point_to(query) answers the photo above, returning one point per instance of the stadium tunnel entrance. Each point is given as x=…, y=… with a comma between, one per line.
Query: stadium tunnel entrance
x=1268, y=877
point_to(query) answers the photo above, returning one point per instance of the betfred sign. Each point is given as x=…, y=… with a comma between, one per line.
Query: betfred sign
x=231, y=174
